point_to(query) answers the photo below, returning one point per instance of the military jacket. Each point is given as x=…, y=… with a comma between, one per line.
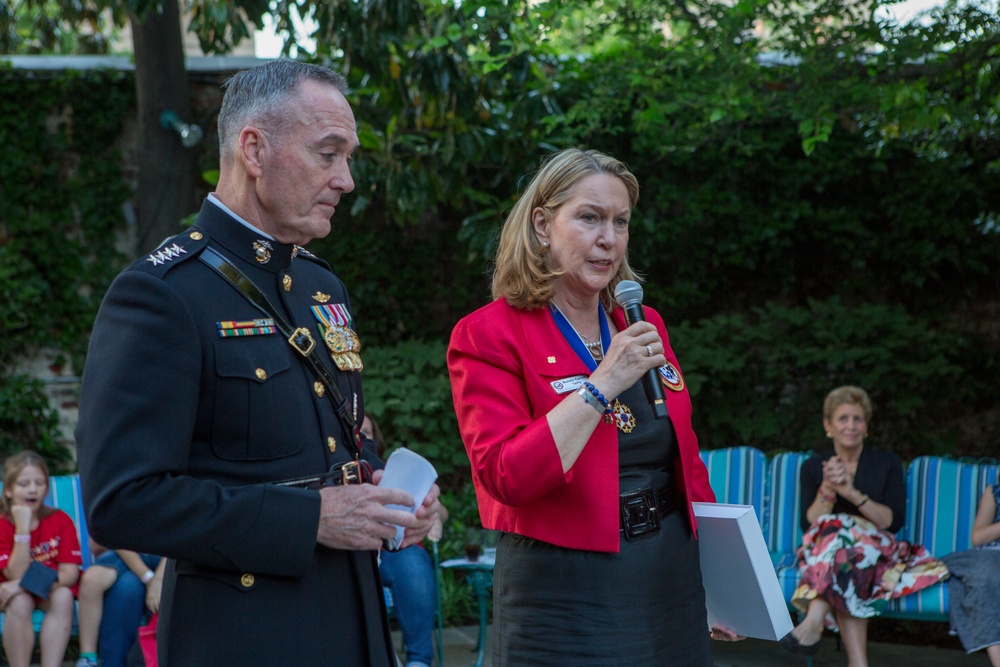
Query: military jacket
x=192, y=402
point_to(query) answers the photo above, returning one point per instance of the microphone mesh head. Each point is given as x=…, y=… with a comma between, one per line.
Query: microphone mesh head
x=628, y=292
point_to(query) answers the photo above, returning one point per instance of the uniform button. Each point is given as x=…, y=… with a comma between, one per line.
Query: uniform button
x=331, y=444
x=247, y=580
x=261, y=374
x=286, y=282
x=197, y=236
x=320, y=389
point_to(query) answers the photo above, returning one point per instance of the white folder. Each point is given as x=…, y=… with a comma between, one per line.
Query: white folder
x=741, y=589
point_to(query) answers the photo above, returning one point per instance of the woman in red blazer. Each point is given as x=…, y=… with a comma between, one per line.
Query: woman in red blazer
x=598, y=562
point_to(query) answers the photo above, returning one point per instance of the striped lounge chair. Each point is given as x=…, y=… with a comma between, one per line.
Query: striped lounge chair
x=737, y=476
x=942, y=499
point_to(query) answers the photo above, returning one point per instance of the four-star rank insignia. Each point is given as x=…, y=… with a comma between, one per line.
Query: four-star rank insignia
x=671, y=377
x=165, y=254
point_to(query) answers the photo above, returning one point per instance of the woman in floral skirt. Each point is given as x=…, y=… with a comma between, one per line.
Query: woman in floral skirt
x=853, y=503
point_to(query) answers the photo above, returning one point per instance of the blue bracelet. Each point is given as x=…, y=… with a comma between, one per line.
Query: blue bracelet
x=599, y=396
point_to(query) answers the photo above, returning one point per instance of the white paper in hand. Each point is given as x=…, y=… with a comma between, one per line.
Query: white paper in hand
x=412, y=473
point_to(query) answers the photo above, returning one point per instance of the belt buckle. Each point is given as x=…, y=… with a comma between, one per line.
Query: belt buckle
x=302, y=341
x=639, y=513
x=355, y=472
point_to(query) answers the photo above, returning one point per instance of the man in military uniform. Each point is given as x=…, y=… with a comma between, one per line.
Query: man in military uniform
x=195, y=401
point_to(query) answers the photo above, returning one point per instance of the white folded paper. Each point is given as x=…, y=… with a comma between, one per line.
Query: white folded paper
x=741, y=590
x=412, y=473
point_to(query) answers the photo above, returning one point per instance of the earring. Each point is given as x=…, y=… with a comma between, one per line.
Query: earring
x=829, y=435
x=545, y=244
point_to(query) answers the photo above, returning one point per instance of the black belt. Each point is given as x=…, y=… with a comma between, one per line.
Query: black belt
x=642, y=509
x=351, y=472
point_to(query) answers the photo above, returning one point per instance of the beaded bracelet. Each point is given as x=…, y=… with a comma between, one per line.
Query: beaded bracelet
x=599, y=396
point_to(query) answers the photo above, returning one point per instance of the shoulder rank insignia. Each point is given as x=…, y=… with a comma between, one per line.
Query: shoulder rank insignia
x=165, y=254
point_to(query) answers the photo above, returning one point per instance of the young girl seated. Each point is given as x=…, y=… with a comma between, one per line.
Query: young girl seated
x=30, y=532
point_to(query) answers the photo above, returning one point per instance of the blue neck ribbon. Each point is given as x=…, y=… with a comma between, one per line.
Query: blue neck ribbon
x=574, y=340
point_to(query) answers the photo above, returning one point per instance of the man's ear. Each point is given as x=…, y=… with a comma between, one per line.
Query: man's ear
x=253, y=146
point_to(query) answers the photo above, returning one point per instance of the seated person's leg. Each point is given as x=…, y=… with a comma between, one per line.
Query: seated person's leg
x=124, y=611
x=410, y=574
x=94, y=581
x=56, y=626
x=18, y=630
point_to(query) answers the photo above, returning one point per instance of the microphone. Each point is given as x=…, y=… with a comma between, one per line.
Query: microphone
x=628, y=294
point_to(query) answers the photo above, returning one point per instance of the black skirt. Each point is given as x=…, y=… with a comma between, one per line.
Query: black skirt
x=642, y=606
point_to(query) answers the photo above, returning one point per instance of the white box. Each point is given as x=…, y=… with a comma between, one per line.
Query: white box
x=741, y=590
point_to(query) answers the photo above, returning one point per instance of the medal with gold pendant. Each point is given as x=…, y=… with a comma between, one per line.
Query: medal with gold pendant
x=336, y=331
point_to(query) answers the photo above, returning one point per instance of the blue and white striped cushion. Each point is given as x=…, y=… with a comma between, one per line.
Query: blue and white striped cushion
x=943, y=497
x=737, y=476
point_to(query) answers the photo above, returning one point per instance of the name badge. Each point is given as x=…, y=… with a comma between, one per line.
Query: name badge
x=569, y=384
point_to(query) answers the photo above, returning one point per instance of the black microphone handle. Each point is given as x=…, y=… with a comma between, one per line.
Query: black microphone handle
x=651, y=380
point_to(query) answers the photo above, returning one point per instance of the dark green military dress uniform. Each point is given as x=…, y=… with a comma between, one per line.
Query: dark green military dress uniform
x=192, y=402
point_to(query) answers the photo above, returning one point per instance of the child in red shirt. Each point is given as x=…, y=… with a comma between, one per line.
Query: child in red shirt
x=32, y=531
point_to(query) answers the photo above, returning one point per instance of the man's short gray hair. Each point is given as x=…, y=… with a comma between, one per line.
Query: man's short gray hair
x=258, y=96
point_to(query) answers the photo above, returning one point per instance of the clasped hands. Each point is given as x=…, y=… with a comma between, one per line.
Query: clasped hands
x=356, y=516
x=836, y=478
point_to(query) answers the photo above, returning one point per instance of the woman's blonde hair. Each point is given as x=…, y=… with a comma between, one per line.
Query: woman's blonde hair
x=847, y=395
x=12, y=467
x=521, y=274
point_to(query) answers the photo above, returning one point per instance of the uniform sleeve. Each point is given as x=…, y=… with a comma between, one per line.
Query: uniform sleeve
x=511, y=448
x=138, y=412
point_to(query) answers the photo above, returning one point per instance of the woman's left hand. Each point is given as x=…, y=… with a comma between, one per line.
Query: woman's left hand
x=724, y=634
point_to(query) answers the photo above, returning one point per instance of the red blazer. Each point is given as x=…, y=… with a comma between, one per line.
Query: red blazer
x=502, y=362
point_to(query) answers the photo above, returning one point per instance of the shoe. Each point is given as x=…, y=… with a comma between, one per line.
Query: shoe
x=85, y=662
x=792, y=644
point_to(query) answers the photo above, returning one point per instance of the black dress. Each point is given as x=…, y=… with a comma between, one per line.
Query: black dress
x=642, y=606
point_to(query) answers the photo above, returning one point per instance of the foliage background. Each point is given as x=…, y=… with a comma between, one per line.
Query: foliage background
x=819, y=200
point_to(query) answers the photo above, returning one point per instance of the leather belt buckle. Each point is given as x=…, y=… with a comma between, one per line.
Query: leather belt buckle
x=355, y=472
x=302, y=341
x=352, y=472
x=639, y=513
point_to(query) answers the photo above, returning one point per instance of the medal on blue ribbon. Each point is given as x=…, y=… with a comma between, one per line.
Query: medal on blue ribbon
x=623, y=417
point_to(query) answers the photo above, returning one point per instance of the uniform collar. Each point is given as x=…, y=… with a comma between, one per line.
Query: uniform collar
x=245, y=242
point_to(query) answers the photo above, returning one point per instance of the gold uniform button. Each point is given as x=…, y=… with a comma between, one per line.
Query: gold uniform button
x=331, y=444
x=261, y=374
x=247, y=580
x=286, y=282
x=197, y=236
x=319, y=388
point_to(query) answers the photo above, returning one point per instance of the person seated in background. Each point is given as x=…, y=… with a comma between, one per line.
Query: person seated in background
x=853, y=501
x=115, y=593
x=35, y=536
x=974, y=586
x=410, y=574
